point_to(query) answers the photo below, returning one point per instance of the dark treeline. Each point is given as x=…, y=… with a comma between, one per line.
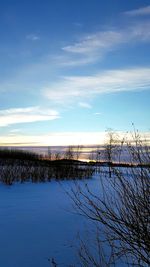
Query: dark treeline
x=17, y=154
x=21, y=166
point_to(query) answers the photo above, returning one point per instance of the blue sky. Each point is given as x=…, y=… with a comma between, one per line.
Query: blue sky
x=71, y=69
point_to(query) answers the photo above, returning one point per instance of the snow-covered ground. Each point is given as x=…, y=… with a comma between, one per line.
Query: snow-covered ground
x=36, y=223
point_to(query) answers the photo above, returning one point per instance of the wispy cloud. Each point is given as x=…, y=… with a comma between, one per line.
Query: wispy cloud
x=14, y=131
x=85, y=105
x=25, y=115
x=113, y=81
x=55, y=138
x=32, y=37
x=64, y=138
x=73, y=60
x=97, y=113
x=95, y=41
x=78, y=24
x=92, y=47
x=139, y=12
x=89, y=49
x=29, y=77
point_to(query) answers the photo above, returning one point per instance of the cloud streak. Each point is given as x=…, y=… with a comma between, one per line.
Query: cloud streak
x=92, y=47
x=112, y=81
x=26, y=115
x=64, y=138
x=139, y=12
x=55, y=138
x=32, y=37
x=89, y=49
x=85, y=105
x=100, y=40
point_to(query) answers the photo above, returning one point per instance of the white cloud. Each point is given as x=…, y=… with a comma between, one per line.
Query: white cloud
x=92, y=47
x=139, y=12
x=32, y=37
x=100, y=40
x=85, y=105
x=29, y=77
x=64, y=138
x=74, y=60
x=78, y=24
x=89, y=49
x=97, y=113
x=14, y=131
x=113, y=81
x=57, y=139
x=25, y=115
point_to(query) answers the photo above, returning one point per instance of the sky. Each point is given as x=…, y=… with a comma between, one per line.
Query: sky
x=71, y=69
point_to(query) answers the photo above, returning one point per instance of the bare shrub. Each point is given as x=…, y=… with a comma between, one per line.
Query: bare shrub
x=121, y=209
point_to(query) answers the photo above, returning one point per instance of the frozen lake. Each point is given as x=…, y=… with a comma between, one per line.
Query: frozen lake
x=36, y=223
